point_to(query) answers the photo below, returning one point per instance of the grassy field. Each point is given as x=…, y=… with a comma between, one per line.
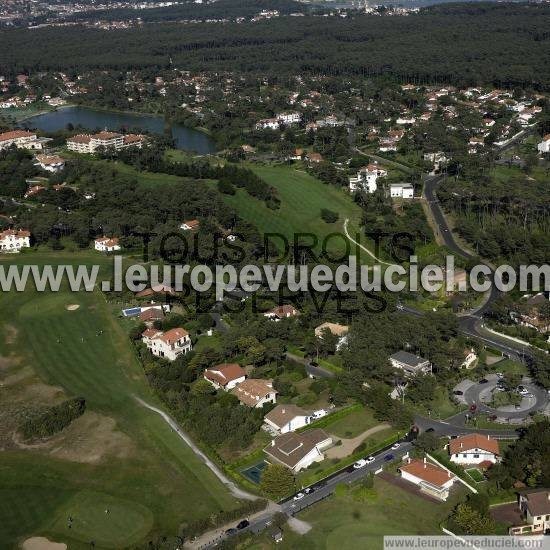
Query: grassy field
x=347, y=523
x=353, y=424
x=302, y=198
x=118, y=457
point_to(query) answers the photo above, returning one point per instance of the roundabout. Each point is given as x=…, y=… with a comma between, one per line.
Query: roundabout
x=491, y=396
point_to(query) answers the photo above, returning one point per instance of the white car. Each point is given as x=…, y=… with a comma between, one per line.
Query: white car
x=395, y=446
x=360, y=463
x=523, y=391
x=299, y=496
x=500, y=375
x=370, y=459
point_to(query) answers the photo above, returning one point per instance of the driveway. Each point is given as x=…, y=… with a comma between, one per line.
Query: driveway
x=349, y=445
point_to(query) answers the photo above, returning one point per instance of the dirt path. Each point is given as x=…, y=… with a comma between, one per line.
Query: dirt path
x=348, y=445
x=371, y=254
x=235, y=491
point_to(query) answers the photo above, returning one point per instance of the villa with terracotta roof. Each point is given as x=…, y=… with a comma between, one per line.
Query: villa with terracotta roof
x=474, y=449
x=12, y=240
x=282, y=312
x=190, y=225
x=431, y=479
x=50, y=163
x=225, y=376
x=168, y=345
x=107, y=244
x=255, y=392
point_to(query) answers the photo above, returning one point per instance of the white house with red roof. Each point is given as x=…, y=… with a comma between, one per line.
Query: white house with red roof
x=168, y=345
x=107, y=244
x=430, y=478
x=12, y=240
x=22, y=139
x=86, y=143
x=225, y=376
x=474, y=449
x=281, y=312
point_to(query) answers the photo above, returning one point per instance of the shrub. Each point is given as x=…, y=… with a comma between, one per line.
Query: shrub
x=329, y=216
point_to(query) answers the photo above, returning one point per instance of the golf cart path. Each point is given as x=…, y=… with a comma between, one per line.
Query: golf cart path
x=349, y=445
x=371, y=254
x=235, y=491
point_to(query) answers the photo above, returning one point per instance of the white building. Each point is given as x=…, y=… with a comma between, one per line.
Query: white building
x=474, y=449
x=13, y=241
x=297, y=451
x=50, y=163
x=431, y=479
x=289, y=118
x=411, y=364
x=267, y=124
x=255, y=392
x=287, y=418
x=401, y=190
x=365, y=180
x=534, y=506
x=22, y=139
x=544, y=145
x=168, y=345
x=225, y=376
x=86, y=143
x=107, y=244
x=405, y=120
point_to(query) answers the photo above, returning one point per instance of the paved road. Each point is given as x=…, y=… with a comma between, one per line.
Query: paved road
x=313, y=370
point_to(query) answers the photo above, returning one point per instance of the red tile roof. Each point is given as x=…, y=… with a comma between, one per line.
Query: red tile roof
x=473, y=441
x=14, y=134
x=173, y=335
x=224, y=373
x=427, y=472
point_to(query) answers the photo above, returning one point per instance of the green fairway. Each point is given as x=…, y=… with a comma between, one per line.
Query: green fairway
x=126, y=459
x=302, y=198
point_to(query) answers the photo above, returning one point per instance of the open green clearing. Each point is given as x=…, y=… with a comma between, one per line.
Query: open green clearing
x=344, y=523
x=354, y=424
x=151, y=485
x=302, y=198
x=475, y=474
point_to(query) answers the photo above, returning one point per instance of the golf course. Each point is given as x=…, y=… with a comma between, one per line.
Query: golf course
x=118, y=475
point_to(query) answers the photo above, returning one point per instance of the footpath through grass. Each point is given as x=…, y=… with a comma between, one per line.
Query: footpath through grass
x=152, y=489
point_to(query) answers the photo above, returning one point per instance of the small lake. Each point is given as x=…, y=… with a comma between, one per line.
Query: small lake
x=186, y=139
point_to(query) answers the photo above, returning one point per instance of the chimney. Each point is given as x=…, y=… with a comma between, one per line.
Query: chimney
x=283, y=411
x=273, y=443
x=461, y=444
x=424, y=460
x=488, y=437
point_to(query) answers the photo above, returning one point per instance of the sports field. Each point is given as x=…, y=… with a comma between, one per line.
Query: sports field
x=119, y=471
x=302, y=198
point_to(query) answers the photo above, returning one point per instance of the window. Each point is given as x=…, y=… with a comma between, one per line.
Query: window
x=476, y=456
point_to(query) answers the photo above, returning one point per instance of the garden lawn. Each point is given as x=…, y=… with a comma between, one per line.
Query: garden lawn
x=158, y=485
x=340, y=523
x=302, y=198
x=353, y=424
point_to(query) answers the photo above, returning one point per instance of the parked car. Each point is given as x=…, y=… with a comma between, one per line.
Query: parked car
x=299, y=496
x=396, y=446
x=389, y=458
x=500, y=375
x=360, y=463
x=243, y=524
x=231, y=531
x=483, y=381
x=370, y=459
x=309, y=490
x=458, y=392
x=523, y=391
x=430, y=430
x=318, y=414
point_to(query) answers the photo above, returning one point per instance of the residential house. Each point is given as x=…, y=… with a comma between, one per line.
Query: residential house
x=314, y=157
x=431, y=479
x=190, y=225
x=267, y=124
x=289, y=118
x=534, y=507
x=411, y=364
x=12, y=240
x=401, y=190
x=107, y=244
x=287, y=418
x=544, y=145
x=50, y=163
x=298, y=450
x=535, y=312
x=282, y=312
x=168, y=345
x=365, y=180
x=337, y=330
x=255, y=392
x=474, y=449
x=470, y=358
x=225, y=376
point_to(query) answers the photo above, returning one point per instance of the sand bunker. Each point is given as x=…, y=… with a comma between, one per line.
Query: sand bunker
x=42, y=543
x=72, y=307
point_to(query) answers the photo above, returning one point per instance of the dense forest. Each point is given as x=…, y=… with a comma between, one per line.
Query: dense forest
x=461, y=44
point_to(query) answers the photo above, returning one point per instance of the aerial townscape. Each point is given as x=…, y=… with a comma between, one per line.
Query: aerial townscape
x=181, y=136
